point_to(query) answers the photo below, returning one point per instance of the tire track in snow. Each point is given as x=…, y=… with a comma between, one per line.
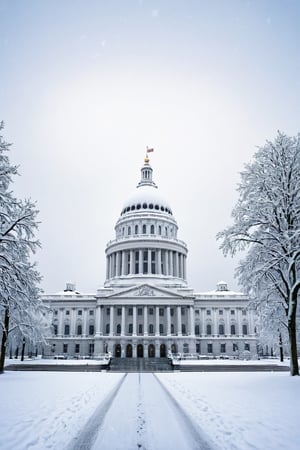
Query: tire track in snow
x=86, y=438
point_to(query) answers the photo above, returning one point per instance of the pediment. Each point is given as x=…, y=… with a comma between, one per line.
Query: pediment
x=145, y=291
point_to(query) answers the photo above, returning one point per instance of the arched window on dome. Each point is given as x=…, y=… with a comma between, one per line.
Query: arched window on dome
x=152, y=229
x=129, y=231
x=144, y=229
x=166, y=231
x=159, y=229
x=145, y=206
x=156, y=207
x=138, y=206
x=136, y=229
x=151, y=206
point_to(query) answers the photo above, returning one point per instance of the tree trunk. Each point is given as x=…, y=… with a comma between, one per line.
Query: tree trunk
x=4, y=339
x=23, y=349
x=280, y=347
x=294, y=368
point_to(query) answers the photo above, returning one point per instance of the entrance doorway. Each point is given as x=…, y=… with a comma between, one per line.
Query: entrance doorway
x=140, y=351
x=162, y=351
x=129, y=351
x=118, y=351
x=173, y=348
x=151, y=351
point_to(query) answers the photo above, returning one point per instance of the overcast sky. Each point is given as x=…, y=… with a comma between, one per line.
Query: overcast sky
x=86, y=85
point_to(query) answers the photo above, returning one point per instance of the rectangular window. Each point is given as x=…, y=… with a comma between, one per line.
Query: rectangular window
x=244, y=312
x=91, y=312
x=235, y=347
x=151, y=311
x=67, y=312
x=161, y=312
x=145, y=261
x=208, y=312
x=140, y=329
x=137, y=262
x=209, y=348
x=223, y=348
x=198, y=348
x=130, y=311
x=65, y=348
x=80, y=312
x=91, y=330
x=172, y=312
x=232, y=312
x=55, y=312
x=220, y=312
x=119, y=311
x=140, y=311
x=247, y=347
x=183, y=311
x=107, y=311
x=77, y=348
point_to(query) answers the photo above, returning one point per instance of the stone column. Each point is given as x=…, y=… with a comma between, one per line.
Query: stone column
x=158, y=270
x=171, y=263
x=123, y=322
x=73, y=321
x=107, y=267
x=168, y=321
x=179, y=332
x=184, y=267
x=117, y=264
x=111, y=321
x=131, y=269
x=149, y=260
x=123, y=263
x=177, y=264
x=98, y=320
x=134, y=321
x=156, y=320
x=110, y=266
x=84, y=323
x=192, y=320
x=145, y=320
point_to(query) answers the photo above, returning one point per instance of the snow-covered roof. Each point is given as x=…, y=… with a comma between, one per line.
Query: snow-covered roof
x=148, y=195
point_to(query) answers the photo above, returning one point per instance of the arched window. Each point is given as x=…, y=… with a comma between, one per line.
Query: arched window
x=145, y=205
x=144, y=229
x=197, y=330
x=129, y=231
x=221, y=328
x=185, y=348
x=107, y=328
x=118, y=329
x=232, y=329
x=159, y=229
x=208, y=328
x=166, y=231
x=79, y=330
x=67, y=329
x=245, y=329
x=152, y=229
x=130, y=328
x=151, y=329
x=136, y=229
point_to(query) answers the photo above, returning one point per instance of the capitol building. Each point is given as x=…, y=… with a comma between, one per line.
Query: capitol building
x=146, y=308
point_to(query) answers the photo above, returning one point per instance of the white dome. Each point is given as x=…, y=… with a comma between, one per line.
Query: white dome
x=146, y=195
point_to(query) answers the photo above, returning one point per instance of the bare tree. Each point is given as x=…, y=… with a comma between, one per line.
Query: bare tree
x=267, y=224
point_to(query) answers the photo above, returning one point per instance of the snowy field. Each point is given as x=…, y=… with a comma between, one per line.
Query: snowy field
x=47, y=410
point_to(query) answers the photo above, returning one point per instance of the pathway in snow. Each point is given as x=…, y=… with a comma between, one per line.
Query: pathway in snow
x=140, y=414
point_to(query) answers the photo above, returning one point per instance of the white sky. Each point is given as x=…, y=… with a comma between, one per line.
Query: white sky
x=85, y=86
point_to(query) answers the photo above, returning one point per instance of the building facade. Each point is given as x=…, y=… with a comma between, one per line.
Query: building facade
x=146, y=308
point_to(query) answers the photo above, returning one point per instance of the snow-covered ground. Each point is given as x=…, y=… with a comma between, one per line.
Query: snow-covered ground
x=236, y=411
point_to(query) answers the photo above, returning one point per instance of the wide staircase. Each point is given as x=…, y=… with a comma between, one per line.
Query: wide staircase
x=140, y=365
